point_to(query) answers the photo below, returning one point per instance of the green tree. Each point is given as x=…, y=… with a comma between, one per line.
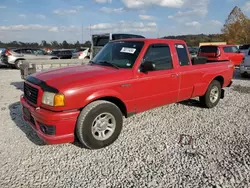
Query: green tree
x=236, y=27
x=65, y=44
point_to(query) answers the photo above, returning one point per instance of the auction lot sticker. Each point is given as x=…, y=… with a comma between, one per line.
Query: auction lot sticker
x=128, y=50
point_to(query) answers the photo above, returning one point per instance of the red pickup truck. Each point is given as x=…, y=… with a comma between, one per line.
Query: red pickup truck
x=222, y=53
x=126, y=77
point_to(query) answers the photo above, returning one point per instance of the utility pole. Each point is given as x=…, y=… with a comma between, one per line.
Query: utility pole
x=90, y=30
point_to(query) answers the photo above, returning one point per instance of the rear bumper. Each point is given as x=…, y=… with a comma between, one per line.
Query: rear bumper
x=244, y=69
x=62, y=123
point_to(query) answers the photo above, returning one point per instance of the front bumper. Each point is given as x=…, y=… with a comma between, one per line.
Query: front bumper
x=62, y=124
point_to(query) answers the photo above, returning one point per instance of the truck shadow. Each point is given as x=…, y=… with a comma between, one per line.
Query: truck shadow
x=191, y=102
x=17, y=85
x=16, y=116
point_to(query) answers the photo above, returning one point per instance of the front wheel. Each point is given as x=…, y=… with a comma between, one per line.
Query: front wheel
x=212, y=95
x=99, y=124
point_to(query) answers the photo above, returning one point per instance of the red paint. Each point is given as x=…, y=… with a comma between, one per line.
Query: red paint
x=84, y=84
x=235, y=57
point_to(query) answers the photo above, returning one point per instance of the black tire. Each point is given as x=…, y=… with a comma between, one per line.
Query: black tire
x=244, y=75
x=87, y=117
x=17, y=64
x=13, y=66
x=206, y=100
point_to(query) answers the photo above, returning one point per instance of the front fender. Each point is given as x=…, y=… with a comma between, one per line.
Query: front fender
x=103, y=93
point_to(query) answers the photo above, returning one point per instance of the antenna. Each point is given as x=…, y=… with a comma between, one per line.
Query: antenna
x=82, y=33
x=90, y=29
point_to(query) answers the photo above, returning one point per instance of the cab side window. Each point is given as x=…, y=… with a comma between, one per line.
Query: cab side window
x=182, y=54
x=160, y=55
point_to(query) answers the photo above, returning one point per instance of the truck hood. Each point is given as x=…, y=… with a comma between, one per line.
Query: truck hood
x=82, y=75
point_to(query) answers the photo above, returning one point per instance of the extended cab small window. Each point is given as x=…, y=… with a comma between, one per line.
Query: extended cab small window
x=182, y=54
x=160, y=55
x=230, y=49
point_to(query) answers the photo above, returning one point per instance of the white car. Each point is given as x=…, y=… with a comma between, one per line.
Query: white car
x=15, y=57
x=81, y=54
x=245, y=66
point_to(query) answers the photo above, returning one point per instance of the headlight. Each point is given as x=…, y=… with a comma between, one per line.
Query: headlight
x=53, y=99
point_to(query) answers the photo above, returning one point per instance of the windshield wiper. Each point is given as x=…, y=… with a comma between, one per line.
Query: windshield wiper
x=108, y=63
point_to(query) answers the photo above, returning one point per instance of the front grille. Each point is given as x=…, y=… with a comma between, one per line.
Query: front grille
x=30, y=93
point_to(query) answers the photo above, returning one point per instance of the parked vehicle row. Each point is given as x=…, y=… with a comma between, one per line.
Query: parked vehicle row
x=2, y=54
x=222, y=53
x=245, y=66
x=126, y=77
x=193, y=51
x=62, y=54
x=100, y=40
x=14, y=57
x=83, y=53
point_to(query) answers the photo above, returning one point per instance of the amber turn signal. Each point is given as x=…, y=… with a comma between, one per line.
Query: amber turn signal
x=59, y=100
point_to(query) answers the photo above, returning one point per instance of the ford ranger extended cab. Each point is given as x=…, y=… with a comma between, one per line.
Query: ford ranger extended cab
x=127, y=76
x=222, y=53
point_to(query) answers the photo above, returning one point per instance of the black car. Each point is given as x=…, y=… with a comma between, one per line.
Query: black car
x=62, y=54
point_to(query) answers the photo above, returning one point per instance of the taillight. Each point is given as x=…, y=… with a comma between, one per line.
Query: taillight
x=7, y=53
x=80, y=53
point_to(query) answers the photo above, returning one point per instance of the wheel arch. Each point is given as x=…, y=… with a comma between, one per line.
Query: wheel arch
x=112, y=97
x=19, y=59
x=118, y=102
x=219, y=79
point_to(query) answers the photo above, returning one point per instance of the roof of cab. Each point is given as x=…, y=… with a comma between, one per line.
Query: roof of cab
x=151, y=40
x=219, y=45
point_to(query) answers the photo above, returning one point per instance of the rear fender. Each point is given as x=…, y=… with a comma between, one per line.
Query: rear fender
x=201, y=88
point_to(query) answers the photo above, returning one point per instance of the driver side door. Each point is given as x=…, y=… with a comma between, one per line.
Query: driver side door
x=159, y=86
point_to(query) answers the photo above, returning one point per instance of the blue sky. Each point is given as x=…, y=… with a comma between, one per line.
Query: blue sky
x=33, y=20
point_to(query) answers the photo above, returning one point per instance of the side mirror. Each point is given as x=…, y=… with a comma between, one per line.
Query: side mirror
x=147, y=66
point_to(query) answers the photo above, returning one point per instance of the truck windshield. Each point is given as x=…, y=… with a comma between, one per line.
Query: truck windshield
x=120, y=54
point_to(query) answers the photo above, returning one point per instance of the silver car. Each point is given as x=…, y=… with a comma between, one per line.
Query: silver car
x=14, y=57
x=245, y=66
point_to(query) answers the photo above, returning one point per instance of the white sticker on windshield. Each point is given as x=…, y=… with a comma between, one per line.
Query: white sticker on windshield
x=180, y=46
x=128, y=50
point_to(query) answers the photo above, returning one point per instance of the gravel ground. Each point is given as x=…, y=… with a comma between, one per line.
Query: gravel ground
x=147, y=153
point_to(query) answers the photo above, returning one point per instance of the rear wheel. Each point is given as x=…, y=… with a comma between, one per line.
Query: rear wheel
x=99, y=124
x=212, y=95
